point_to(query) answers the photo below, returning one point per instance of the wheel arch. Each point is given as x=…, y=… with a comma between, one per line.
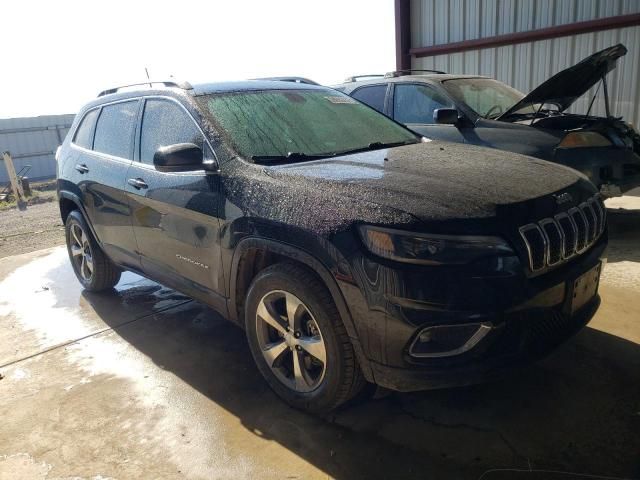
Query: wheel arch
x=68, y=202
x=252, y=255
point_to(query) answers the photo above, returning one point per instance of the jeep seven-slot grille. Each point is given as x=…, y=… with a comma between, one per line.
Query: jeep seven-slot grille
x=554, y=240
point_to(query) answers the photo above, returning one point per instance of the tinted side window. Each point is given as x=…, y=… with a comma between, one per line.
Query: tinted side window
x=416, y=103
x=372, y=96
x=165, y=123
x=82, y=137
x=114, y=131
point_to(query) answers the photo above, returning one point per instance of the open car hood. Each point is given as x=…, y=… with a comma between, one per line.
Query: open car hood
x=566, y=86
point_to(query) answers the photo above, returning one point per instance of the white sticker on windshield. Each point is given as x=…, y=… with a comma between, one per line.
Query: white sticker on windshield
x=344, y=99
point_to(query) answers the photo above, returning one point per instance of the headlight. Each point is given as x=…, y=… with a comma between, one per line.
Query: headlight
x=430, y=249
x=584, y=139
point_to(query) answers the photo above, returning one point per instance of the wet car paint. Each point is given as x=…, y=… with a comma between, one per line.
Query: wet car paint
x=101, y=189
x=389, y=302
x=308, y=212
x=177, y=230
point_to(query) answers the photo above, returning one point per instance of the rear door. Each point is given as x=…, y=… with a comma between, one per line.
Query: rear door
x=175, y=215
x=413, y=104
x=102, y=152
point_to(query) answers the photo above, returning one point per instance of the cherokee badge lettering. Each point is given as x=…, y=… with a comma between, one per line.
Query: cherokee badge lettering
x=193, y=262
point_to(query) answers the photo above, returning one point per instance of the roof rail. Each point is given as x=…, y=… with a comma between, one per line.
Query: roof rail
x=400, y=73
x=355, y=78
x=289, y=79
x=166, y=83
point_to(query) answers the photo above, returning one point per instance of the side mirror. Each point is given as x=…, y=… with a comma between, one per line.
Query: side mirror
x=446, y=116
x=179, y=157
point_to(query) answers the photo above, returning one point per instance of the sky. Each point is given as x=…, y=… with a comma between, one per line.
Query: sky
x=57, y=55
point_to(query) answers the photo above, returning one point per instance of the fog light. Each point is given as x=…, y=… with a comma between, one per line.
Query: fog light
x=425, y=336
x=448, y=340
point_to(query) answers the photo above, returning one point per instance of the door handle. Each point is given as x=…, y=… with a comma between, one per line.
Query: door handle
x=82, y=168
x=137, y=183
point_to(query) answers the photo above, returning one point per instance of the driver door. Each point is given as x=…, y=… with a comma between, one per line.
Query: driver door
x=175, y=214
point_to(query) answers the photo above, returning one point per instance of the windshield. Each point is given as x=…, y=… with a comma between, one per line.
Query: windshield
x=488, y=98
x=307, y=123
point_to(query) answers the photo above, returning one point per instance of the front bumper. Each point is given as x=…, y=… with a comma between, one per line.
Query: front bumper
x=529, y=317
x=522, y=339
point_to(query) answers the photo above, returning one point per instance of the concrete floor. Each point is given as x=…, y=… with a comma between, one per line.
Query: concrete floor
x=145, y=383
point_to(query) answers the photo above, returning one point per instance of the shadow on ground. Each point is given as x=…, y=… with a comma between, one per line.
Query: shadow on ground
x=577, y=411
x=624, y=235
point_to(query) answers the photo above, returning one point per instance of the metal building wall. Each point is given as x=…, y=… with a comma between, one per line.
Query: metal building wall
x=526, y=65
x=33, y=141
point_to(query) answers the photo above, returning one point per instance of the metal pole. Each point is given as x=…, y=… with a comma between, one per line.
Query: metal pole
x=58, y=135
x=16, y=186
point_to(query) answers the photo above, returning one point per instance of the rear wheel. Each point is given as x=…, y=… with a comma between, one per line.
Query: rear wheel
x=298, y=340
x=91, y=266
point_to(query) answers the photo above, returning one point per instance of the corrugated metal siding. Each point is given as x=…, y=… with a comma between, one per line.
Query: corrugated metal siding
x=33, y=141
x=526, y=65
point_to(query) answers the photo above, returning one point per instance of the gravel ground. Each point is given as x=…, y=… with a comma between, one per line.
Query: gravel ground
x=36, y=228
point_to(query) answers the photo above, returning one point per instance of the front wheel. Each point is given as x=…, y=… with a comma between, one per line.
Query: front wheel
x=92, y=267
x=298, y=340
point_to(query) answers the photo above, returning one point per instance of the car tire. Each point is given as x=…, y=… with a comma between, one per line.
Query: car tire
x=93, y=269
x=306, y=317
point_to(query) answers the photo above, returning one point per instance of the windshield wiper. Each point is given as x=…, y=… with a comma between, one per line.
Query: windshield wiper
x=289, y=157
x=377, y=146
x=299, y=156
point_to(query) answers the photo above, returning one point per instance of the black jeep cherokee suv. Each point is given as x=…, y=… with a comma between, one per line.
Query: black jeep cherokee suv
x=349, y=248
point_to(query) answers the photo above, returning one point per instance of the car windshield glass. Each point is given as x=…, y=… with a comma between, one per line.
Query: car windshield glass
x=299, y=125
x=488, y=98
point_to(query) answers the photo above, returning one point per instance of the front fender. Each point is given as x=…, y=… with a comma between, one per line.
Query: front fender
x=321, y=269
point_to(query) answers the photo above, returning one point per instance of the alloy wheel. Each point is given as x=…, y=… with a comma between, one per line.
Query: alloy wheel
x=291, y=341
x=81, y=252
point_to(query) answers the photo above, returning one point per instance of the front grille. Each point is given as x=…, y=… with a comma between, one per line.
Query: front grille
x=536, y=244
x=580, y=222
x=553, y=236
x=554, y=240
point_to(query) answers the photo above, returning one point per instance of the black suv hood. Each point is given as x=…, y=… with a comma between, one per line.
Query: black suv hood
x=432, y=181
x=568, y=85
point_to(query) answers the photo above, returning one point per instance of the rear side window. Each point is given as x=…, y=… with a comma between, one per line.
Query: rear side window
x=416, y=103
x=114, y=131
x=165, y=123
x=372, y=96
x=82, y=137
